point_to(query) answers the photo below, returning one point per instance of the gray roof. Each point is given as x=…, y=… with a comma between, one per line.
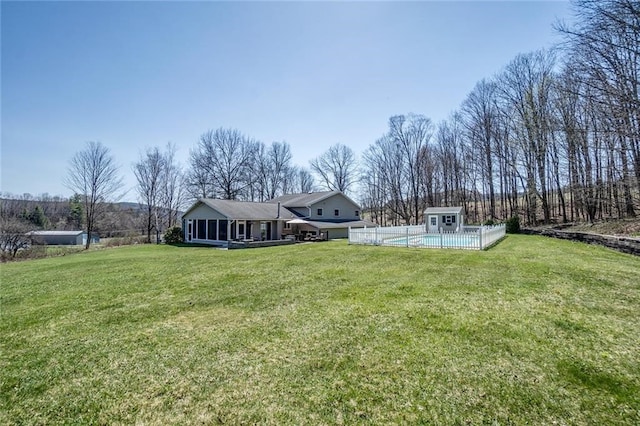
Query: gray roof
x=308, y=199
x=303, y=199
x=244, y=210
x=56, y=233
x=444, y=210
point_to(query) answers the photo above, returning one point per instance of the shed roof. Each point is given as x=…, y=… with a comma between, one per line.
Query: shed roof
x=444, y=210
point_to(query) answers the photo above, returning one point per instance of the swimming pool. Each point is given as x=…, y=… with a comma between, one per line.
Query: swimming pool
x=458, y=240
x=471, y=237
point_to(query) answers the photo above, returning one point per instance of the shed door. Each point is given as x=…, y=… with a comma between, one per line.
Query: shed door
x=433, y=223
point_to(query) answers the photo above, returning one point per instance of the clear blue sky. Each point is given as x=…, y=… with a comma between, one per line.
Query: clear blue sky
x=139, y=74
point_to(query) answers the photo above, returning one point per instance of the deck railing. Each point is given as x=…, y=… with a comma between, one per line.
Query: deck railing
x=475, y=238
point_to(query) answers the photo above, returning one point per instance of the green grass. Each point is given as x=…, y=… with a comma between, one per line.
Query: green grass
x=533, y=331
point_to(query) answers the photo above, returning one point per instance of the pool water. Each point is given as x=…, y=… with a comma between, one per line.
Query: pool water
x=437, y=240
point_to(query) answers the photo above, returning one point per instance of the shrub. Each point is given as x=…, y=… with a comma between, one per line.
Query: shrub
x=513, y=225
x=489, y=222
x=174, y=235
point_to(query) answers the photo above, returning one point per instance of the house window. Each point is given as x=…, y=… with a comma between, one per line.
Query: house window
x=319, y=212
x=434, y=221
x=287, y=225
x=357, y=213
x=336, y=212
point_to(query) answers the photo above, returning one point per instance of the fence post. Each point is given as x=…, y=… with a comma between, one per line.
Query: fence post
x=375, y=241
x=480, y=236
x=441, y=239
x=407, y=234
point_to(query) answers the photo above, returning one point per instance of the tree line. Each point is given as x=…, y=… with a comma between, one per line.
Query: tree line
x=554, y=136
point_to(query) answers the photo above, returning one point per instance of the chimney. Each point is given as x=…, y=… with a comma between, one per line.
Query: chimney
x=278, y=217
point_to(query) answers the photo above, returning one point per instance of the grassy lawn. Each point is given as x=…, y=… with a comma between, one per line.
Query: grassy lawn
x=533, y=331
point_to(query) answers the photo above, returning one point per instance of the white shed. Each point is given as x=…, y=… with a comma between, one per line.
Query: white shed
x=447, y=219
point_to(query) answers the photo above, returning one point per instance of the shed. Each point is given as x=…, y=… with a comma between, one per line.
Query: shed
x=62, y=238
x=444, y=219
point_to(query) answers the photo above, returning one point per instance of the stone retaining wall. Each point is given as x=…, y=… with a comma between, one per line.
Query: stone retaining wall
x=624, y=244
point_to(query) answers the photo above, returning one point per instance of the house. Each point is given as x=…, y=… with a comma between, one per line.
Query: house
x=326, y=215
x=62, y=238
x=444, y=219
x=316, y=215
x=217, y=222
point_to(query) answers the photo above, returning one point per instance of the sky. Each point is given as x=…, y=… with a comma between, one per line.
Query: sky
x=135, y=75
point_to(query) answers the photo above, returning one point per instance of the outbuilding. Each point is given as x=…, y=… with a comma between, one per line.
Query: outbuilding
x=444, y=219
x=62, y=238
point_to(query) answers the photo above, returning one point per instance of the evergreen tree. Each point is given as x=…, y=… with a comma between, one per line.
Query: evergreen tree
x=38, y=218
x=75, y=212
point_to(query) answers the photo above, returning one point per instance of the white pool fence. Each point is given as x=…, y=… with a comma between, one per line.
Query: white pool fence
x=471, y=237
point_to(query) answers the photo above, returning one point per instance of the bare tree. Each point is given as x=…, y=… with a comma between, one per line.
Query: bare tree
x=219, y=164
x=404, y=156
x=336, y=168
x=14, y=236
x=480, y=110
x=375, y=194
x=93, y=174
x=300, y=180
x=197, y=180
x=149, y=172
x=456, y=161
x=272, y=168
x=603, y=48
x=383, y=168
x=172, y=194
x=525, y=88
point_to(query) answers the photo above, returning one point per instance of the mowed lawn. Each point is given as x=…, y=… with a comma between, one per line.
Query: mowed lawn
x=532, y=331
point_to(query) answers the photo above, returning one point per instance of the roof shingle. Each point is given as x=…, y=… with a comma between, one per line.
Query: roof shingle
x=243, y=210
x=303, y=199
